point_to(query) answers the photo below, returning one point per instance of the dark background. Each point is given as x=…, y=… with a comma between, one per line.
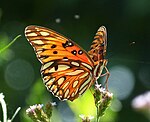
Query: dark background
x=127, y=23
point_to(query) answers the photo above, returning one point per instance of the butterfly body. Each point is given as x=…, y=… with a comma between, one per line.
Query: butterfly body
x=67, y=69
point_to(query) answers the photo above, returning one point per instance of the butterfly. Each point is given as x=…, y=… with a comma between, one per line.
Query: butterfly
x=67, y=69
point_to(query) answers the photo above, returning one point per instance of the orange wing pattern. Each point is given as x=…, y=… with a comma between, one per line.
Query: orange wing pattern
x=98, y=51
x=98, y=46
x=66, y=68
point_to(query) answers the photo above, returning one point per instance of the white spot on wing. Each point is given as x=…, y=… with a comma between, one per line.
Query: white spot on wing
x=76, y=91
x=66, y=84
x=75, y=63
x=63, y=67
x=44, y=33
x=66, y=93
x=60, y=80
x=57, y=94
x=75, y=83
x=37, y=29
x=68, y=96
x=72, y=95
x=39, y=49
x=76, y=72
x=85, y=83
x=50, y=82
x=55, y=90
x=38, y=52
x=32, y=34
x=27, y=31
x=84, y=75
x=83, y=90
x=45, y=66
x=87, y=65
x=53, y=87
x=60, y=68
x=37, y=42
x=52, y=70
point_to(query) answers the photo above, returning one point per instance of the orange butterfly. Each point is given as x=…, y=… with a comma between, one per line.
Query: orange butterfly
x=67, y=69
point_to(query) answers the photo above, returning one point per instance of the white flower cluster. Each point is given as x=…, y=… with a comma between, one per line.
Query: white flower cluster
x=32, y=108
x=103, y=90
x=83, y=117
x=142, y=102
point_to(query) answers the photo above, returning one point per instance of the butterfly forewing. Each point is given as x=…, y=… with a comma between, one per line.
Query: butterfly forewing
x=66, y=68
x=50, y=45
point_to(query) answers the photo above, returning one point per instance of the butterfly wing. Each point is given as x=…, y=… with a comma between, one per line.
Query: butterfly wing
x=98, y=46
x=98, y=51
x=66, y=68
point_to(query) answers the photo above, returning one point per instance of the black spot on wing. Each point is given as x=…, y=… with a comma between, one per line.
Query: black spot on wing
x=74, y=52
x=55, y=52
x=80, y=52
x=53, y=46
x=67, y=44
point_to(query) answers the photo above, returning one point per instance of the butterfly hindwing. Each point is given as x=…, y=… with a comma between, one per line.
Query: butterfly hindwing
x=67, y=79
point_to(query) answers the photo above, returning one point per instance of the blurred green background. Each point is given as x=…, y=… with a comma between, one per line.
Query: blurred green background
x=128, y=53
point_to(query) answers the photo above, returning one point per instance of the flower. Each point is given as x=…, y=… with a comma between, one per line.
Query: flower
x=86, y=118
x=39, y=113
x=142, y=102
x=102, y=99
x=32, y=109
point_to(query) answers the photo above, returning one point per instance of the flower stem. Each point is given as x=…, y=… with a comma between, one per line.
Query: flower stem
x=2, y=101
x=16, y=112
x=97, y=115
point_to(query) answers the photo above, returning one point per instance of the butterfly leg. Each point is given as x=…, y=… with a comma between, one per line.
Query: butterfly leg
x=107, y=74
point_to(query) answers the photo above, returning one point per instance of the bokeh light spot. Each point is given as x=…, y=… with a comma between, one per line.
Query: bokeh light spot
x=19, y=74
x=57, y=20
x=66, y=111
x=76, y=16
x=144, y=75
x=116, y=105
x=121, y=81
